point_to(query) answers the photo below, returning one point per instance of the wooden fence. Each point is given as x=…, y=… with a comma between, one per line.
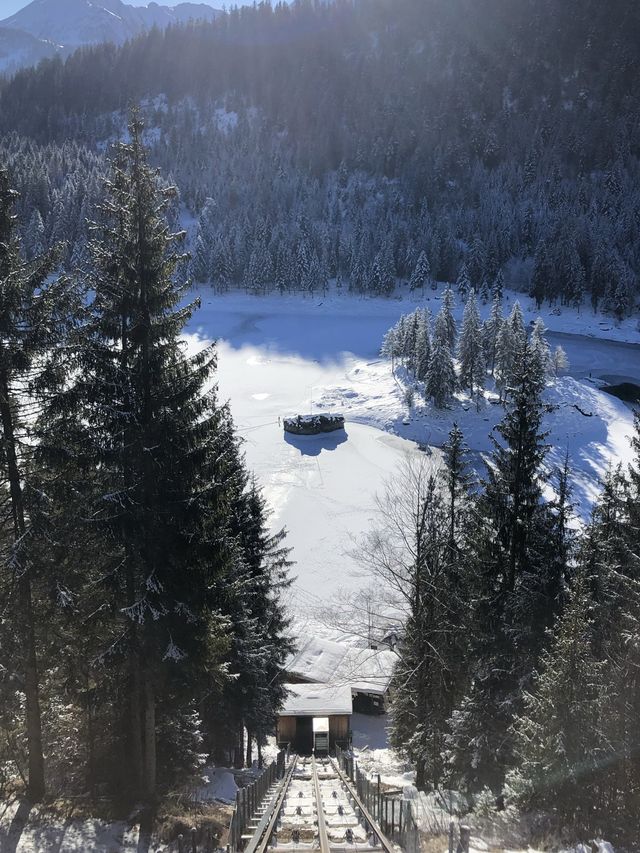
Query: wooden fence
x=388, y=808
x=249, y=798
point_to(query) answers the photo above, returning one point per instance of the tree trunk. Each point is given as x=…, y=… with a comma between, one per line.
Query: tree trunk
x=36, y=787
x=91, y=750
x=135, y=722
x=150, y=758
x=238, y=750
x=36, y=784
x=248, y=760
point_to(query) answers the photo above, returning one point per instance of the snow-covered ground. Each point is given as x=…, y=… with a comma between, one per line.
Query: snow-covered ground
x=22, y=831
x=284, y=355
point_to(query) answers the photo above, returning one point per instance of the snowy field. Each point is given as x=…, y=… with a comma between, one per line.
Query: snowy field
x=280, y=356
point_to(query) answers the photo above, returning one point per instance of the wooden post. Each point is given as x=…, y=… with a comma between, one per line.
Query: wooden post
x=194, y=848
x=451, y=828
x=181, y=843
x=465, y=838
x=241, y=811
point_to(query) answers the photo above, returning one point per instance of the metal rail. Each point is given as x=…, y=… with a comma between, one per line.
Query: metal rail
x=366, y=814
x=323, y=836
x=262, y=836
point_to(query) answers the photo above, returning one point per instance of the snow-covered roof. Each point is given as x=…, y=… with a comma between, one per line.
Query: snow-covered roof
x=317, y=700
x=323, y=661
x=311, y=419
x=316, y=659
x=367, y=670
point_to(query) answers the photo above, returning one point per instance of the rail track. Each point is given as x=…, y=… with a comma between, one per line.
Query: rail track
x=316, y=807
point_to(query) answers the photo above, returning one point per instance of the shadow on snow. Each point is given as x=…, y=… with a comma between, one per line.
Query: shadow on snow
x=313, y=445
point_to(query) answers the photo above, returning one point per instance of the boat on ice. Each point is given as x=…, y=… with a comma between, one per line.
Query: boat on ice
x=313, y=424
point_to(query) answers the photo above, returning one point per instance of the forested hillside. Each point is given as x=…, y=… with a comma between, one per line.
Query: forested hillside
x=341, y=140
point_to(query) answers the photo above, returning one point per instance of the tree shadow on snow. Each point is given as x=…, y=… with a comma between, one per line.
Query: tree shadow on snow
x=16, y=828
x=313, y=445
x=146, y=829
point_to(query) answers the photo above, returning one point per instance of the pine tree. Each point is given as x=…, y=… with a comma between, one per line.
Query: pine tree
x=491, y=331
x=382, y=277
x=201, y=261
x=497, y=289
x=463, y=282
x=32, y=323
x=608, y=557
x=148, y=444
x=421, y=275
x=542, y=276
x=446, y=311
x=470, y=350
x=560, y=749
x=457, y=482
x=477, y=263
x=392, y=344
x=34, y=238
x=249, y=597
x=441, y=376
x=540, y=347
x=514, y=590
x=423, y=347
x=510, y=342
x=265, y=579
x=559, y=361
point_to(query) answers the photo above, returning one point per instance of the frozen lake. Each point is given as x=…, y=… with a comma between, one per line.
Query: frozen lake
x=321, y=488
x=287, y=355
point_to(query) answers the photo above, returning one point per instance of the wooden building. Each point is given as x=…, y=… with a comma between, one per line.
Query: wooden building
x=367, y=671
x=328, y=705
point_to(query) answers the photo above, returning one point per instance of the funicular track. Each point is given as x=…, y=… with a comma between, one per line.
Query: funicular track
x=316, y=807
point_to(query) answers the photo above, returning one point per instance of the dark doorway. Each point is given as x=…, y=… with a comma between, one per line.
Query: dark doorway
x=303, y=743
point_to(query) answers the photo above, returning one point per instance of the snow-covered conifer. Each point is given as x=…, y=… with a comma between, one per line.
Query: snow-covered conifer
x=421, y=275
x=463, y=282
x=446, y=312
x=441, y=376
x=559, y=361
x=470, y=353
x=423, y=346
x=561, y=746
x=540, y=346
x=491, y=331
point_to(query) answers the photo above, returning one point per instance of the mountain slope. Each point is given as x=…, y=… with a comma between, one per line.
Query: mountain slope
x=18, y=49
x=71, y=23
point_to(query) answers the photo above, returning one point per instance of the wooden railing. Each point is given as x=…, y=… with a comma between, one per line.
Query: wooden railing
x=249, y=798
x=389, y=809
